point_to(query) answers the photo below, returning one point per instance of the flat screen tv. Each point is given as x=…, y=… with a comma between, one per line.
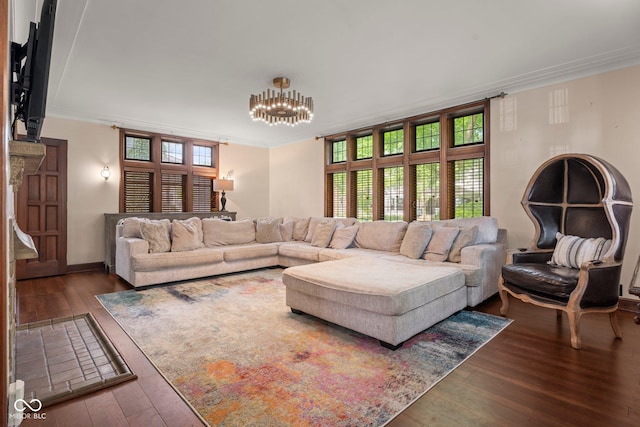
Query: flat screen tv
x=30, y=66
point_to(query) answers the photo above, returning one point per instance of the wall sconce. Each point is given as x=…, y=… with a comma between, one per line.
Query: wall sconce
x=105, y=173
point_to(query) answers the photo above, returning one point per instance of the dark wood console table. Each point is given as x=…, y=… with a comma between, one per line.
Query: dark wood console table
x=112, y=219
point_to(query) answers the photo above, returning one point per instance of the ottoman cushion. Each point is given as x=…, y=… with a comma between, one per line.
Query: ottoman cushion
x=375, y=285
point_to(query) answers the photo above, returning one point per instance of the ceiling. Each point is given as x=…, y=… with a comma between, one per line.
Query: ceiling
x=188, y=67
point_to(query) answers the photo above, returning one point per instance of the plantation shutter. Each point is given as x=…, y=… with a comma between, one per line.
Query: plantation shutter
x=173, y=199
x=138, y=192
x=202, y=192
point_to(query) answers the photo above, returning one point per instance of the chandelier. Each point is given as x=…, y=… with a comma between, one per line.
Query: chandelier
x=275, y=108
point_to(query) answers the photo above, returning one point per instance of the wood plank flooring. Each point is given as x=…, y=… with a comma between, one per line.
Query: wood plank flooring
x=527, y=375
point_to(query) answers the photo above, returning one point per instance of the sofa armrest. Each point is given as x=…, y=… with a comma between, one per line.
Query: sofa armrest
x=489, y=257
x=126, y=248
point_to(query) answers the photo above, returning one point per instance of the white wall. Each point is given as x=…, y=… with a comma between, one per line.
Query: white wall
x=250, y=166
x=297, y=179
x=597, y=115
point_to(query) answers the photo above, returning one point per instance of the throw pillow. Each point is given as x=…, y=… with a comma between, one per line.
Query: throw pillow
x=440, y=243
x=572, y=251
x=466, y=237
x=343, y=236
x=198, y=223
x=313, y=223
x=131, y=227
x=286, y=231
x=268, y=230
x=323, y=233
x=416, y=239
x=157, y=234
x=300, y=229
x=184, y=236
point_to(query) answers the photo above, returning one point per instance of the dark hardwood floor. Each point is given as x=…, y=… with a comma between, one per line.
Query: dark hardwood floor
x=527, y=375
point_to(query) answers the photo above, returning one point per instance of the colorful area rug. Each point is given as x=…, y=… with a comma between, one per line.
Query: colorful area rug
x=238, y=355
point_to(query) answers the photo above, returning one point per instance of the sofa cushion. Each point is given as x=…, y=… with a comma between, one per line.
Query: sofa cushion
x=440, y=243
x=300, y=227
x=300, y=250
x=323, y=233
x=268, y=230
x=487, y=227
x=218, y=232
x=473, y=275
x=343, y=236
x=286, y=231
x=131, y=227
x=157, y=234
x=329, y=254
x=381, y=235
x=466, y=237
x=184, y=236
x=249, y=251
x=160, y=261
x=416, y=239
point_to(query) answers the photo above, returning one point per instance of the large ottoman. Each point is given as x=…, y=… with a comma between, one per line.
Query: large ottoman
x=383, y=299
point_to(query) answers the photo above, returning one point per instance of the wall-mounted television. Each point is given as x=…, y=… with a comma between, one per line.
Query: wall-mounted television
x=30, y=68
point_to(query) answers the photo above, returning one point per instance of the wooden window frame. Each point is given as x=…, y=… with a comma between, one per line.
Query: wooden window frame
x=156, y=167
x=444, y=155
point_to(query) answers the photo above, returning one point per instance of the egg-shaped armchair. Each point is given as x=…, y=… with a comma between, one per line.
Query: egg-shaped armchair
x=580, y=206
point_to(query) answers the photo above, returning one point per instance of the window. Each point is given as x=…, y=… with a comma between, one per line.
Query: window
x=137, y=148
x=393, y=142
x=468, y=185
x=172, y=152
x=468, y=129
x=162, y=174
x=393, y=193
x=340, y=194
x=202, y=155
x=339, y=151
x=364, y=195
x=427, y=179
x=364, y=147
x=443, y=175
x=427, y=136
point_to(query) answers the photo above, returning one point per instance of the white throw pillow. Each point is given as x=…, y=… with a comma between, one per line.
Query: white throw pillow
x=572, y=251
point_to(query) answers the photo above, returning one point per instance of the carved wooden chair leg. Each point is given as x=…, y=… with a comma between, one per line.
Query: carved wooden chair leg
x=574, y=327
x=504, y=296
x=613, y=318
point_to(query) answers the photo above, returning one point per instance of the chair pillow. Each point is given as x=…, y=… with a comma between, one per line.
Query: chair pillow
x=572, y=251
x=286, y=231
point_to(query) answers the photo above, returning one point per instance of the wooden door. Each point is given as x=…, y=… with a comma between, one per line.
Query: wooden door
x=41, y=212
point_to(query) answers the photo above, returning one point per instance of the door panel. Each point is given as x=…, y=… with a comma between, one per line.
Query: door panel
x=41, y=212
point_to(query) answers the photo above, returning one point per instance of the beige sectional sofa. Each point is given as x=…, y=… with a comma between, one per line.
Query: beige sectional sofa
x=154, y=252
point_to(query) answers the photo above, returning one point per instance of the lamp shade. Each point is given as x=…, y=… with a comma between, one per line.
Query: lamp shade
x=222, y=184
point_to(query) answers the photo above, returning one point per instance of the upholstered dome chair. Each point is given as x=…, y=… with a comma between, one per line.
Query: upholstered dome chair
x=581, y=207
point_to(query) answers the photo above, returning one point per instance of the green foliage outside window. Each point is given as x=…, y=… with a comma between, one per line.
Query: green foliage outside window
x=340, y=195
x=339, y=151
x=468, y=129
x=393, y=193
x=364, y=147
x=428, y=192
x=469, y=188
x=137, y=148
x=428, y=136
x=364, y=195
x=393, y=142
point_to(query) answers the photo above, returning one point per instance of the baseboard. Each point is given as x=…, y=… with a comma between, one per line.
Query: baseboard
x=81, y=268
x=626, y=304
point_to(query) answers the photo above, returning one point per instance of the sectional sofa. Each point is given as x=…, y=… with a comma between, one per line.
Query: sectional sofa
x=155, y=252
